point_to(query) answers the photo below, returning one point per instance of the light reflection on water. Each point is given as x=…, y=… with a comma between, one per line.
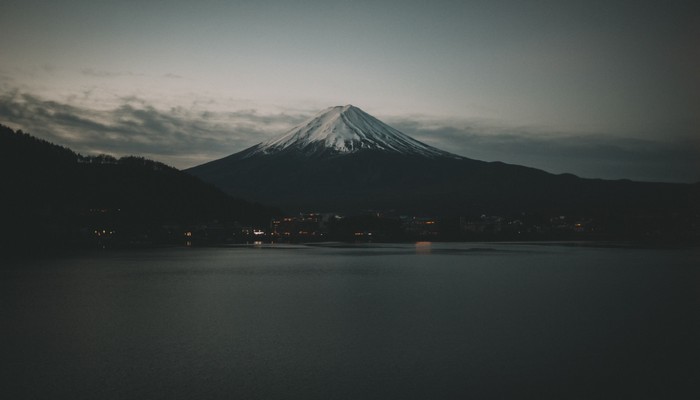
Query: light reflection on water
x=420, y=320
x=423, y=247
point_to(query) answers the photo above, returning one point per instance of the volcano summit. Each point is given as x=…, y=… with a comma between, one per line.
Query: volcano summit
x=344, y=130
x=345, y=160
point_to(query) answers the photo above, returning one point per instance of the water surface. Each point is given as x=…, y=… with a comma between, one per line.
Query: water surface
x=354, y=322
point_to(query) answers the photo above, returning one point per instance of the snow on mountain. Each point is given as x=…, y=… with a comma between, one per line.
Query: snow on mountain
x=347, y=129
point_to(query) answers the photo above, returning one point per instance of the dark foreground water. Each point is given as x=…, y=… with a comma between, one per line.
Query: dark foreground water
x=440, y=321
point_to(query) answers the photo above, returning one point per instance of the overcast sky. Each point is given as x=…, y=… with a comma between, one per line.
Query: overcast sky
x=605, y=89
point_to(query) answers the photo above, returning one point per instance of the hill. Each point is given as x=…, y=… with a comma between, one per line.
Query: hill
x=54, y=197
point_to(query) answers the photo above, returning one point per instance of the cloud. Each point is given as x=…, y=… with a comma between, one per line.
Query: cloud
x=187, y=136
x=170, y=75
x=676, y=159
x=100, y=73
x=178, y=136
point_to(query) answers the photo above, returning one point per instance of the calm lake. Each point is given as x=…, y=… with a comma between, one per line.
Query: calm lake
x=399, y=321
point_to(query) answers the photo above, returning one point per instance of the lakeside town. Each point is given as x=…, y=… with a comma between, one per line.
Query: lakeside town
x=389, y=227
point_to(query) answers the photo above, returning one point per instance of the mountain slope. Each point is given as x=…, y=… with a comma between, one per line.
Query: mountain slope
x=345, y=130
x=345, y=161
x=51, y=192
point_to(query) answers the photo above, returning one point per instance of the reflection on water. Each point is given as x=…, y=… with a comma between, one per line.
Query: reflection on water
x=423, y=247
x=423, y=320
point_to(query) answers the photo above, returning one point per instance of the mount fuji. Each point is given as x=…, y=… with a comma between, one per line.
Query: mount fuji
x=346, y=130
x=345, y=160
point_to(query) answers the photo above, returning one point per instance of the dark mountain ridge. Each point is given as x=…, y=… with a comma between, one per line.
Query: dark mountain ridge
x=55, y=197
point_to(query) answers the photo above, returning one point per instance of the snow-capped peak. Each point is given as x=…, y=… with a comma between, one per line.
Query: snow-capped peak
x=347, y=129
